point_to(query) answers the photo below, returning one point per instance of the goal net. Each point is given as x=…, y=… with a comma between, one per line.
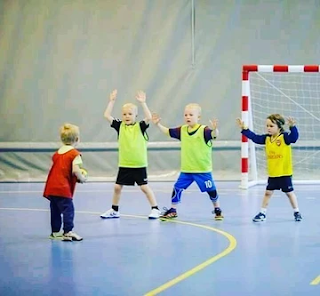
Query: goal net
x=291, y=91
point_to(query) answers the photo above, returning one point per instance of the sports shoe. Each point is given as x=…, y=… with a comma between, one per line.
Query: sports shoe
x=218, y=214
x=71, y=236
x=259, y=217
x=297, y=216
x=169, y=214
x=56, y=236
x=110, y=214
x=155, y=214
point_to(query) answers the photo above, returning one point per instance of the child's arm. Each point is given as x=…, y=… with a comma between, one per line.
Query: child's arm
x=141, y=97
x=293, y=136
x=258, y=139
x=215, y=131
x=107, y=112
x=156, y=120
x=76, y=171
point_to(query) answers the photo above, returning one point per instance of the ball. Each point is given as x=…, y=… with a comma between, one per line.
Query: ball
x=84, y=172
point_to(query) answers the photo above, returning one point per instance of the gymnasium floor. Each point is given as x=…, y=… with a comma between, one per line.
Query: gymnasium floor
x=193, y=255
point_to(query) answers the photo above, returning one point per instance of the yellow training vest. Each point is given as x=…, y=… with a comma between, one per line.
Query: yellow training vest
x=279, y=157
x=195, y=153
x=132, y=147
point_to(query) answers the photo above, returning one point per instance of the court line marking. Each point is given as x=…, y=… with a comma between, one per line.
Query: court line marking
x=316, y=281
x=183, y=276
x=111, y=190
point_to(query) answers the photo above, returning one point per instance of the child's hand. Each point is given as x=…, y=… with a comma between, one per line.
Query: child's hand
x=214, y=123
x=82, y=180
x=141, y=96
x=155, y=118
x=291, y=121
x=113, y=95
x=240, y=123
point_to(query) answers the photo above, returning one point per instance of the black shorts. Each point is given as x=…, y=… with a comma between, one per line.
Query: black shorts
x=284, y=183
x=130, y=176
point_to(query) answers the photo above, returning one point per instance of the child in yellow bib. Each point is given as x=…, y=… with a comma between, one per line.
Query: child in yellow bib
x=133, y=161
x=279, y=160
x=196, y=158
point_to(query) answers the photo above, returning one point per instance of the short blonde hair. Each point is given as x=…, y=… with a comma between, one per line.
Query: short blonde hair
x=194, y=106
x=132, y=106
x=69, y=133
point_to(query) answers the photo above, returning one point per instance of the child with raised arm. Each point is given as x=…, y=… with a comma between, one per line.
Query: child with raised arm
x=279, y=160
x=133, y=161
x=61, y=182
x=196, y=158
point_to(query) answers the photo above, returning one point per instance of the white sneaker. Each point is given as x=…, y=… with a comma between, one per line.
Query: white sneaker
x=155, y=214
x=110, y=214
x=56, y=236
x=71, y=236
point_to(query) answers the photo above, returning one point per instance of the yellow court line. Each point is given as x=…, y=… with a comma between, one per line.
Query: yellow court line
x=316, y=281
x=229, y=249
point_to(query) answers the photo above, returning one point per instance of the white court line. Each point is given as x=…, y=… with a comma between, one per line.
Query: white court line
x=110, y=191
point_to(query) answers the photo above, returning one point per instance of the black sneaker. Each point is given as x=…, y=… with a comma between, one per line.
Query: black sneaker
x=259, y=217
x=169, y=214
x=218, y=214
x=297, y=216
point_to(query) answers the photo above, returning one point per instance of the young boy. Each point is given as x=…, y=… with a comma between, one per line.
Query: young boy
x=196, y=159
x=61, y=182
x=279, y=160
x=133, y=161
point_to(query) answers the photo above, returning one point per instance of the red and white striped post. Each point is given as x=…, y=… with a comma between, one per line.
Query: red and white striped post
x=246, y=106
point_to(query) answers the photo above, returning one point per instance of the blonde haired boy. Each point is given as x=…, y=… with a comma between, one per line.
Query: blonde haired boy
x=196, y=158
x=61, y=182
x=133, y=159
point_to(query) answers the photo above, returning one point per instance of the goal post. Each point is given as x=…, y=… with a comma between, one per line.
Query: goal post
x=291, y=90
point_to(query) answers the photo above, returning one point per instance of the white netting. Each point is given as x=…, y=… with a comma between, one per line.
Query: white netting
x=290, y=94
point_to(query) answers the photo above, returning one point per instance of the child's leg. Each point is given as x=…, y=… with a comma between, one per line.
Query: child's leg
x=206, y=183
x=124, y=177
x=140, y=177
x=183, y=182
x=149, y=194
x=56, y=220
x=287, y=188
x=155, y=212
x=116, y=194
x=67, y=209
x=261, y=216
x=293, y=200
x=217, y=210
x=66, y=205
x=294, y=204
x=266, y=199
x=114, y=211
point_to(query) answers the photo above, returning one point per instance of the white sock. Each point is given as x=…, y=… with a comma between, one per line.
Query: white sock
x=263, y=210
x=296, y=210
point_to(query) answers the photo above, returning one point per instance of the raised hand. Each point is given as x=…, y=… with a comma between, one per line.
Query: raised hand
x=155, y=118
x=214, y=123
x=113, y=95
x=240, y=123
x=141, y=96
x=291, y=121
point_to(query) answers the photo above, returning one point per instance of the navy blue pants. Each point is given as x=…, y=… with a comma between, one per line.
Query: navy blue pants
x=64, y=206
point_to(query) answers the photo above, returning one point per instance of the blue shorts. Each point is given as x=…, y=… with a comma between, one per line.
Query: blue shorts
x=283, y=183
x=204, y=181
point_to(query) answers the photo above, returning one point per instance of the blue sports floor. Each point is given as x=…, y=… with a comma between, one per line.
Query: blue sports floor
x=192, y=255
